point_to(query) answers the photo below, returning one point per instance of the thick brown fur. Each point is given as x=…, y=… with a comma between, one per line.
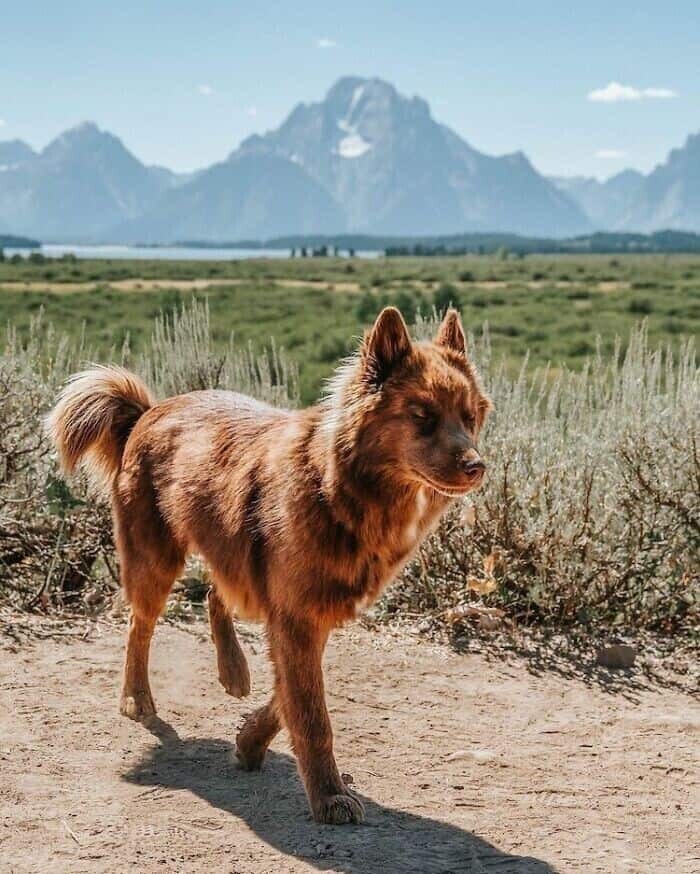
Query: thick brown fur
x=302, y=516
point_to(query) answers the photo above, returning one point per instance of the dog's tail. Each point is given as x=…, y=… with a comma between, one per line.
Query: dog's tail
x=94, y=415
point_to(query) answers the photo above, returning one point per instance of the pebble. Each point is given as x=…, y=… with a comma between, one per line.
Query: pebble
x=617, y=655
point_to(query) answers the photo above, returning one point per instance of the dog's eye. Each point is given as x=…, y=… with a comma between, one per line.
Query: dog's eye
x=426, y=419
x=468, y=420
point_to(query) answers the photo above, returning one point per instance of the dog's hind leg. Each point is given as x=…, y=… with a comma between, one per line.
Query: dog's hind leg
x=150, y=562
x=136, y=698
x=234, y=675
x=256, y=735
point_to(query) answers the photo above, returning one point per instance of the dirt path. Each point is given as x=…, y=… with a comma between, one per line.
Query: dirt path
x=168, y=284
x=145, y=285
x=465, y=765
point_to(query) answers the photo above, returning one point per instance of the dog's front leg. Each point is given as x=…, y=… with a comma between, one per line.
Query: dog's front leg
x=297, y=650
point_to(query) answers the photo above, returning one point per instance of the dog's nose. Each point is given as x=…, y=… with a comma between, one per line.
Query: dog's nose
x=474, y=467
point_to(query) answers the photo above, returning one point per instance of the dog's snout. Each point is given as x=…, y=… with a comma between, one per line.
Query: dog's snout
x=473, y=467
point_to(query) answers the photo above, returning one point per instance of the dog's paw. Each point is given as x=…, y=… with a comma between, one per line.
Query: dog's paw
x=137, y=707
x=250, y=759
x=338, y=810
x=249, y=751
x=234, y=675
x=235, y=684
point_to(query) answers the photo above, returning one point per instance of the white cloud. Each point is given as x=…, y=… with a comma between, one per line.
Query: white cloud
x=614, y=92
x=659, y=93
x=326, y=43
x=205, y=90
x=2, y=122
x=610, y=154
x=252, y=111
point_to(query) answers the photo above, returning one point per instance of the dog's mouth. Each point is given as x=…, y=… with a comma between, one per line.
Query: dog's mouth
x=448, y=491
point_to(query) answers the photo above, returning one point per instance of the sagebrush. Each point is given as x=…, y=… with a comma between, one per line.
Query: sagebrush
x=590, y=513
x=55, y=543
x=591, y=510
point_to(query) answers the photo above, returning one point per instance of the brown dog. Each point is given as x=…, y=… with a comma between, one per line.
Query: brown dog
x=302, y=516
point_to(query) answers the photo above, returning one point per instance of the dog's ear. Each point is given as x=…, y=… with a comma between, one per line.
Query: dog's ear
x=386, y=345
x=451, y=333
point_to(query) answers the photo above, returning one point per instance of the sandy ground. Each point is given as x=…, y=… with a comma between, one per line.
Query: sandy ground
x=465, y=765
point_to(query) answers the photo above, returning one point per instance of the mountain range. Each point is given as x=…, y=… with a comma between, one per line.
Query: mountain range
x=668, y=197
x=365, y=159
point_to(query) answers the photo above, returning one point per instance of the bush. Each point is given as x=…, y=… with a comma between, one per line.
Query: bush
x=590, y=514
x=409, y=303
x=641, y=306
x=50, y=536
x=368, y=307
x=56, y=541
x=591, y=509
x=507, y=330
x=333, y=348
x=445, y=296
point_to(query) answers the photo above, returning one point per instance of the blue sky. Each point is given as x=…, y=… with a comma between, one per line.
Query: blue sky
x=183, y=83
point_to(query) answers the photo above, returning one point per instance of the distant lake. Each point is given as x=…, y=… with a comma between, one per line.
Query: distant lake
x=164, y=253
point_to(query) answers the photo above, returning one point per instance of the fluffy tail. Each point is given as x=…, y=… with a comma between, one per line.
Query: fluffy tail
x=94, y=415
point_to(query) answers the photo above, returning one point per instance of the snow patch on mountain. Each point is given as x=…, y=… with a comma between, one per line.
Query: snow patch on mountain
x=356, y=97
x=354, y=144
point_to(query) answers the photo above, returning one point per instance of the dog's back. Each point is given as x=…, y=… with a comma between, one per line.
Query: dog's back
x=192, y=475
x=185, y=474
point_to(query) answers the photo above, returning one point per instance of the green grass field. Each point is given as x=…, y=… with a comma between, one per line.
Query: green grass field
x=552, y=306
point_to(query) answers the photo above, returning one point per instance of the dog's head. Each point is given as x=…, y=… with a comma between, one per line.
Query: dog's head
x=419, y=407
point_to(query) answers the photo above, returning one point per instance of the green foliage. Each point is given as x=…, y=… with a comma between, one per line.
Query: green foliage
x=60, y=500
x=410, y=303
x=303, y=302
x=641, y=306
x=446, y=296
x=368, y=307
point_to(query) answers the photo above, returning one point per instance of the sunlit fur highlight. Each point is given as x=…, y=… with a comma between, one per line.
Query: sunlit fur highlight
x=94, y=416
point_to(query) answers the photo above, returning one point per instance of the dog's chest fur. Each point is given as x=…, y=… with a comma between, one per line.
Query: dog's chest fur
x=389, y=537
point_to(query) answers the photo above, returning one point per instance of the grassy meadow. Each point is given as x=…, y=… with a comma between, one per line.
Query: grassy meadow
x=553, y=307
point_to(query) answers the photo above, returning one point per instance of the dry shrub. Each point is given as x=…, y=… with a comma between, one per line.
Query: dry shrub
x=591, y=510
x=56, y=545
x=590, y=514
x=181, y=358
x=50, y=536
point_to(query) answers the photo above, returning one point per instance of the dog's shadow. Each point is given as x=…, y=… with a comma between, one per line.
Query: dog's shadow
x=272, y=803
